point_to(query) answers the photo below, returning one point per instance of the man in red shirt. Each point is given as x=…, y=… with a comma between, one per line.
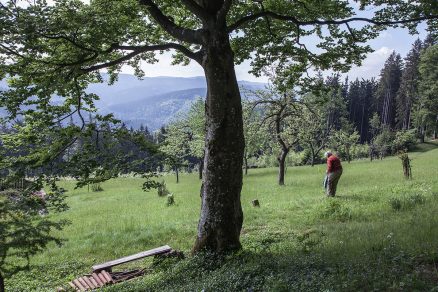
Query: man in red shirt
x=334, y=172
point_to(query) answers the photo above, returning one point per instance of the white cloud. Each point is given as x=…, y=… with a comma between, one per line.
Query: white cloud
x=372, y=65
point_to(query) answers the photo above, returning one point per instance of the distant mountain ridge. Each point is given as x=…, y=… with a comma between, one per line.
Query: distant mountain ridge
x=158, y=110
x=150, y=101
x=153, y=101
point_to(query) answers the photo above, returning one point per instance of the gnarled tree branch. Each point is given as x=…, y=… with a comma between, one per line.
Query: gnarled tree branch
x=194, y=7
x=180, y=33
x=136, y=50
x=244, y=20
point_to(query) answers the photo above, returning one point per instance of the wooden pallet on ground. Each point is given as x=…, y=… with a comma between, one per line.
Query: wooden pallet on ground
x=102, y=274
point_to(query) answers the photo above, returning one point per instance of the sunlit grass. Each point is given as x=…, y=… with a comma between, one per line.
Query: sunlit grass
x=295, y=224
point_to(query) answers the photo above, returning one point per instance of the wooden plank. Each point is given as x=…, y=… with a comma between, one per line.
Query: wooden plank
x=155, y=251
x=95, y=284
x=78, y=284
x=97, y=279
x=88, y=282
x=73, y=285
x=84, y=284
x=102, y=278
x=107, y=276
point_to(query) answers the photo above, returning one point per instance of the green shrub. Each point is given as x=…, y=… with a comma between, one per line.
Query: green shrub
x=384, y=142
x=406, y=197
x=396, y=203
x=96, y=187
x=406, y=202
x=334, y=209
x=359, y=151
x=295, y=158
x=170, y=200
x=162, y=190
x=266, y=160
x=404, y=140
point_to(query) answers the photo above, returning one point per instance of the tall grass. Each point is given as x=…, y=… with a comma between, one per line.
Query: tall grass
x=297, y=240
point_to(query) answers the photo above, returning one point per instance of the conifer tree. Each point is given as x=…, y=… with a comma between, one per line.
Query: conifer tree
x=389, y=84
x=426, y=115
x=408, y=91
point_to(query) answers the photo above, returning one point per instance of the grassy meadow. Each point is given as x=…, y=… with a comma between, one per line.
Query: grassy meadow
x=379, y=233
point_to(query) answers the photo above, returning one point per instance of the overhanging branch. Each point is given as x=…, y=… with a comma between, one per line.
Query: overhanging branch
x=244, y=20
x=136, y=50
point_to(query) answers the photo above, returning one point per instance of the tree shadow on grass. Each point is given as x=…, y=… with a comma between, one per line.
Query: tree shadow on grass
x=425, y=147
x=273, y=261
x=261, y=172
x=286, y=270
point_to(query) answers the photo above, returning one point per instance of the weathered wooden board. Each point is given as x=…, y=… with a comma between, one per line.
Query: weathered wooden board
x=78, y=284
x=110, y=264
x=107, y=276
x=97, y=279
x=101, y=275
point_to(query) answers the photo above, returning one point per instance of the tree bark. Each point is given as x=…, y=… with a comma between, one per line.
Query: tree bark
x=422, y=134
x=281, y=165
x=221, y=212
x=177, y=174
x=246, y=164
x=201, y=167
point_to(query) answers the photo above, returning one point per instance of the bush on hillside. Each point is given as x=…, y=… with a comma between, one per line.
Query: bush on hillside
x=406, y=202
x=170, y=200
x=408, y=196
x=360, y=151
x=335, y=210
x=162, y=190
x=96, y=187
x=383, y=143
x=404, y=140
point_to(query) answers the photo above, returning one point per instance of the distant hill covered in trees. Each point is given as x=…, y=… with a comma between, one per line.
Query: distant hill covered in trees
x=152, y=101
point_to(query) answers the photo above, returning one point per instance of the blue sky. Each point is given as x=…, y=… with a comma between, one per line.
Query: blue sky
x=397, y=39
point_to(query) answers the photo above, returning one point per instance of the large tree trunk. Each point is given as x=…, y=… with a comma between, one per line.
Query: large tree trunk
x=221, y=212
x=281, y=165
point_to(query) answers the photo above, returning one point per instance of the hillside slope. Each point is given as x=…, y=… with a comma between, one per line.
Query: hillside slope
x=378, y=234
